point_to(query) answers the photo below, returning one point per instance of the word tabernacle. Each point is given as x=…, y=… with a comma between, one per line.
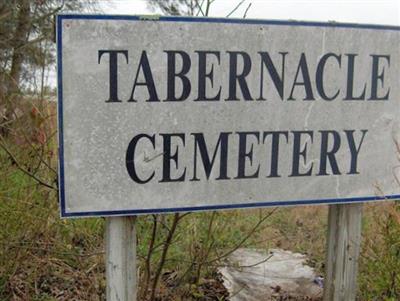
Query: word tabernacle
x=237, y=78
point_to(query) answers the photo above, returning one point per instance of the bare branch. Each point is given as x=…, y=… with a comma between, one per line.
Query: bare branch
x=208, y=7
x=236, y=8
x=149, y=254
x=164, y=255
x=23, y=169
x=199, y=7
x=253, y=230
x=247, y=9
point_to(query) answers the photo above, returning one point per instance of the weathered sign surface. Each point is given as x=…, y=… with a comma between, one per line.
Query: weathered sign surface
x=181, y=114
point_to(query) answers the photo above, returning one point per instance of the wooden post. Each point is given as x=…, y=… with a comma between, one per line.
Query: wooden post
x=343, y=240
x=120, y=239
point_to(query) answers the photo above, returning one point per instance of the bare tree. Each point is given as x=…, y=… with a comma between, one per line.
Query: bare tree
x=193, y=7
x=174, y=7
x=24, y=26
x=182, y=7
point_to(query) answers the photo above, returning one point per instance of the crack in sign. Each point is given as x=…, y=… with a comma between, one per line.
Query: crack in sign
x=148, y=159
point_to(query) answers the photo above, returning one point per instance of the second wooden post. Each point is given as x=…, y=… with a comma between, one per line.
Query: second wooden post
x=343, y=241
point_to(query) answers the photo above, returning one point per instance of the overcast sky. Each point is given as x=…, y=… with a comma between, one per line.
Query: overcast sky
x=354, y=11
x=357, y=11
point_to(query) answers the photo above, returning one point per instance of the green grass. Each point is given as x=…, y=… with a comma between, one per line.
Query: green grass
x=44, y=257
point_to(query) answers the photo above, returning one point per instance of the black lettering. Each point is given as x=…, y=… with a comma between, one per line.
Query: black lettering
x=354, y=150
x=173, y=74
x=148, y=76
x=350, y=80
x=113, y=62
x=326, y=155
x=320, y=75
x=222, y=144
x=275, y=151
x=235, y=78
x=277, y=79
x=376, y=77
x=203, y=76
x=306, y=83
x=130, y=158
x=244, y=154
x=168, y=157
x=298, y=152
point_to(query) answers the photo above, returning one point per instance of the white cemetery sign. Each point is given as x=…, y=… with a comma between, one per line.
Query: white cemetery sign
x=182, y=114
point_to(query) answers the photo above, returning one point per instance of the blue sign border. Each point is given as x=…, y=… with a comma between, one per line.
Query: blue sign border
x=62, y=17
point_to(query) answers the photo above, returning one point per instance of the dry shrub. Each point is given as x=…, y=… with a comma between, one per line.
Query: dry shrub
x=380, y=260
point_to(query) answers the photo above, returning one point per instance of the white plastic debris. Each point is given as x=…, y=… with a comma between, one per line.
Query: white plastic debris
x=254, y=275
